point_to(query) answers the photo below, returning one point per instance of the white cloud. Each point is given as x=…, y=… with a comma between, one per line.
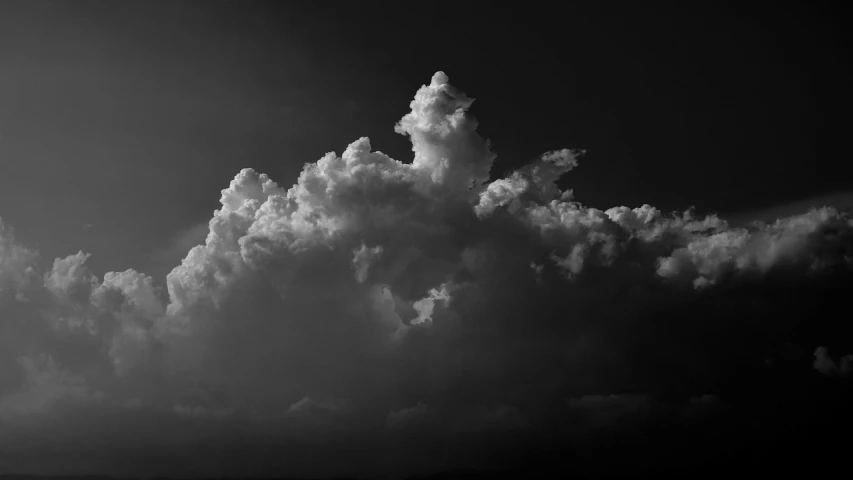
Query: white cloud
x=393, y=284
x=633, y=219
x=538, y=179
x=806, y=240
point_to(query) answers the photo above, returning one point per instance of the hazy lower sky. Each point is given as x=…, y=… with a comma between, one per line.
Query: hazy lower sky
x=534, y=274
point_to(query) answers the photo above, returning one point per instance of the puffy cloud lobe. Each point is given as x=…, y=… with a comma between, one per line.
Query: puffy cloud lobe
x=138, y=289
x=536, y=181
x=577, y=233
x=68, y=337
x=700, y=251
x=501, y=192
x=72, y=285
x=207, y=268
x=633, y=219
x=123, y=310
x=70, y=279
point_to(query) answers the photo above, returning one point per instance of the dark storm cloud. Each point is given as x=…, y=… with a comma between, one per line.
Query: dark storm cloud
x=416, y=306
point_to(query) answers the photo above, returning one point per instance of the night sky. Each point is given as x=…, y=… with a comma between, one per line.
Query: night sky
x=484, y=301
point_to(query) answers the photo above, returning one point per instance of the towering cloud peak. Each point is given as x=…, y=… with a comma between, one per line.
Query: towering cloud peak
x=444, y=141
x=339, y=201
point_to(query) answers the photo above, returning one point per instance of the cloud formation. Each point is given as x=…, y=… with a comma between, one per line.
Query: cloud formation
x=377, y=296
x=823, y=363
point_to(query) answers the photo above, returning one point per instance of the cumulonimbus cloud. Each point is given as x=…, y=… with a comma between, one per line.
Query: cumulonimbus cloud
x=400, y=292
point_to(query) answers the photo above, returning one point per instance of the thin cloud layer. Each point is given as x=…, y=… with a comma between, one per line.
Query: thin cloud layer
x=378, y=298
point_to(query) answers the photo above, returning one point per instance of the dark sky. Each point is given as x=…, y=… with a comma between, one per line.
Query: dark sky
x=114, y=114
x=447, y=310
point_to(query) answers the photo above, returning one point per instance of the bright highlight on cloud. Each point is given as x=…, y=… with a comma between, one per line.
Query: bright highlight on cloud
x=379, y=297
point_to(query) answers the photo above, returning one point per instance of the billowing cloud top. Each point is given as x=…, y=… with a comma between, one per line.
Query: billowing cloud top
x=383, y=299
